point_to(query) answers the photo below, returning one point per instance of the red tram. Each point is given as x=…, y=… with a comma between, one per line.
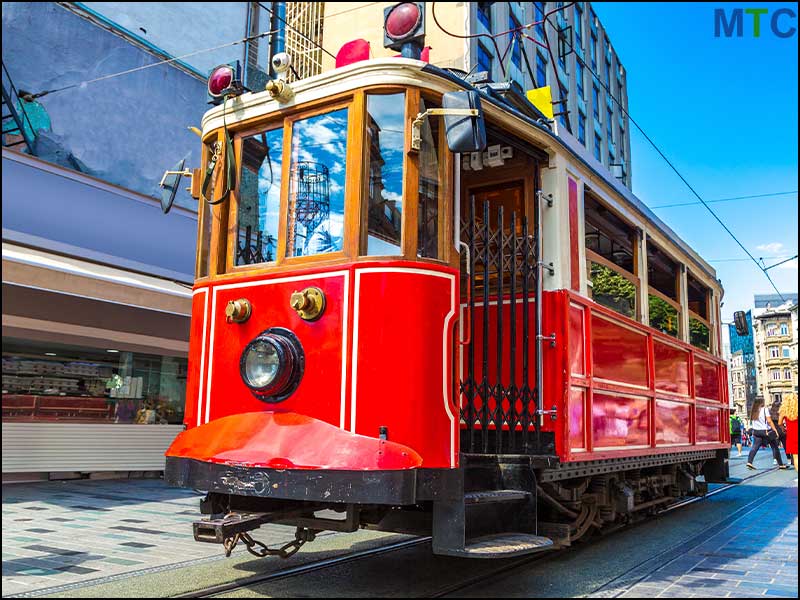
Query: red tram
x=419, y=307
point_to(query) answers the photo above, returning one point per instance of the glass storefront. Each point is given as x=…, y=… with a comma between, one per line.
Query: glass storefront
x=48, y=382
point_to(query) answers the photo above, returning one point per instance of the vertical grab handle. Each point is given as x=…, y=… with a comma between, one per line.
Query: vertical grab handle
x=467, y=341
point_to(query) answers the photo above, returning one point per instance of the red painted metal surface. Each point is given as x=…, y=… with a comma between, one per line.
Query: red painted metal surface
x=619, y=420
x=386, y=325
x=671, y=368
x=708, y=423
x=672, y=422
x=288, y=440
x=619, y=353
x=639, y=390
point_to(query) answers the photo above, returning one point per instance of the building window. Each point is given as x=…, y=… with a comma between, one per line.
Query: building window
x=579, y=78
x=484, y=60
x=787, y=374
x=775, y=374
x=597, y=146
x=578, y=26
x=485, y=14
x=538, y=17
x=49, y=382
x=515, y=40
x=774, y=352
x=563, y=106
x=610, y=124
x=608, y=77
x=784, y=329
x=593, y=52
x=772, y=330
x=595, y=102
x=541, y=71
x=787, y=353
x=581, y=128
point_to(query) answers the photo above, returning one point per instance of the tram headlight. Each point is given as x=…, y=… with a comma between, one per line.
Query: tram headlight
x=272, y=364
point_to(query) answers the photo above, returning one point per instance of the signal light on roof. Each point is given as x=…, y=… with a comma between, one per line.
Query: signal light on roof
x=225, y=81
x=404, y=28
x=220, y=80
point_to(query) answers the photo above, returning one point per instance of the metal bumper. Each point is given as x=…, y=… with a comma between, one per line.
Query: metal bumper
x=397, y=487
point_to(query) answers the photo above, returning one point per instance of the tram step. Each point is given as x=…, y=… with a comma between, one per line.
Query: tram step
x=215, y=531
x=500, y=545
x=488, y=496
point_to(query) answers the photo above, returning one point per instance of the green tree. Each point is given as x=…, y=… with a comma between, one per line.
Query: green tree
x=613, y=290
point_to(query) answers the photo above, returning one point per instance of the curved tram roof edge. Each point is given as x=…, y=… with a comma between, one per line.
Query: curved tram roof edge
x=409, y=72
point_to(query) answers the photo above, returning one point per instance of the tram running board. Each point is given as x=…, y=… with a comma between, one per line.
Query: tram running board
x=488, y=496
x=500, y=545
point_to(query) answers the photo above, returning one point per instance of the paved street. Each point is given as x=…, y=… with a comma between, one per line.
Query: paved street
x=133, y=538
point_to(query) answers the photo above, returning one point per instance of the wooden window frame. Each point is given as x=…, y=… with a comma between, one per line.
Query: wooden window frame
x=592, y=256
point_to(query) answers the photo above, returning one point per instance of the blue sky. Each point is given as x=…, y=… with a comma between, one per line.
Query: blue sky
x=724, y=111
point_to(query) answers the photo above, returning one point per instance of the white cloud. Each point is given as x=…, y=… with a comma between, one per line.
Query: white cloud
x=391, y=196
x=772, y=247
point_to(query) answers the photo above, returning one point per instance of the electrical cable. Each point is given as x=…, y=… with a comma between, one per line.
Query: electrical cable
x=726, y=199
x=297, y=31
x=31, y=97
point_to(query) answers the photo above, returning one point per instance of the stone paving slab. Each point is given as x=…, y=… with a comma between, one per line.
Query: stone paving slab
x=754, y=556
x=62, y=532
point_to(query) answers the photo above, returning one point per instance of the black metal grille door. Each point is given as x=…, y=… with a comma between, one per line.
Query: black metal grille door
x=497, y=367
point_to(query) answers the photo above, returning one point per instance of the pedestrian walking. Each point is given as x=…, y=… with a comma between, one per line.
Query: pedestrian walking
x=764, y=434
x=788, y=416
x=736, y=431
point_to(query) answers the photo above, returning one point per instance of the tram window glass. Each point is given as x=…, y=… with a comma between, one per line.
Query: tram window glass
x=699, y=326
x=50, y=382
x=610, y=259
x=384, y=197
x=662, y=278
x=429, y=188
x=317, y=177
x=259, y=196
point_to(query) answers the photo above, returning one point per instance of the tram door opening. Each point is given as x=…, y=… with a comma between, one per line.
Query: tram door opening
x=497, y=367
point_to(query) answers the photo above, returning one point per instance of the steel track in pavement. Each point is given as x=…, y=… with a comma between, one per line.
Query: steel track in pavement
x=464, y=584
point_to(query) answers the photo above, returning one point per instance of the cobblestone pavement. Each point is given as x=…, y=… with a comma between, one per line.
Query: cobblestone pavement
x=57, y=533
x=755, y=555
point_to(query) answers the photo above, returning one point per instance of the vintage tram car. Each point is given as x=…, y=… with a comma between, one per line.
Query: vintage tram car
x=500, y=347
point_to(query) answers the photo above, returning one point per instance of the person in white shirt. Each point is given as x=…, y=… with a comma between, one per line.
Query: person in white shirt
x=762, y=424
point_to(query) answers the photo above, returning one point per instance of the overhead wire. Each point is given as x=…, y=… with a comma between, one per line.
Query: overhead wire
x=726, y=199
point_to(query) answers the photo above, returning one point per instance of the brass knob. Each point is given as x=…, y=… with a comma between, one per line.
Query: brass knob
x=238, y=311
x=309, y=304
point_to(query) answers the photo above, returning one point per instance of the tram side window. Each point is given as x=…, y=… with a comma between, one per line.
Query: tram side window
x=317, y=178
x=610, y=259
x=699, y=321
x=384, y=197
x=259, y=198
x=662, y=277
x=429, y=189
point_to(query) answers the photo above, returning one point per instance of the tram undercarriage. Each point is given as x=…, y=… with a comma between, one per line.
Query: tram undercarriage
x=492, y=506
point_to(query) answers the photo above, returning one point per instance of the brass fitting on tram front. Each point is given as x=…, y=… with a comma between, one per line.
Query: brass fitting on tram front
x=309, y=304
x=238, y=311
x=280, y=90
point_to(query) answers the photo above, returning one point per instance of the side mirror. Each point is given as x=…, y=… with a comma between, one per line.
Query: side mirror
x=740, y=323
x=465, y=132
x=170, y=183
x=463, y=122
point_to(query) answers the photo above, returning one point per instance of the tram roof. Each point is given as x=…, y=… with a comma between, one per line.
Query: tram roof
x=409, y=72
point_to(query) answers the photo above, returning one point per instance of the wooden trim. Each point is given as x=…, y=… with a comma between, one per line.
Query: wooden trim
x=232, y=240
x=354, y=173
x=410, y=181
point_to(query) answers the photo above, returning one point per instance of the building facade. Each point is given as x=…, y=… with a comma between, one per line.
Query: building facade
x=96, y=279
x=742, y=368
x=587, y=80
x=775, y=336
